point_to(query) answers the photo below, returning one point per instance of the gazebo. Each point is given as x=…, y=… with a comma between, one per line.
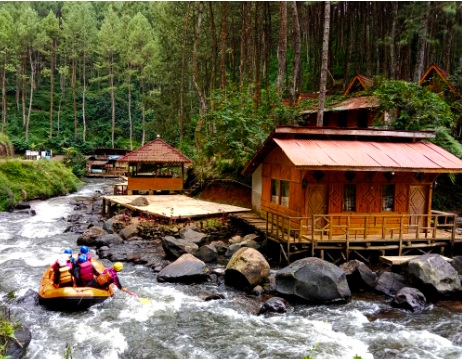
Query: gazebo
x=154, y=168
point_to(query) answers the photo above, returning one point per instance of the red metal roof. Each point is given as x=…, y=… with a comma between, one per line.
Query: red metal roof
x=156, y=151
x=367, y=155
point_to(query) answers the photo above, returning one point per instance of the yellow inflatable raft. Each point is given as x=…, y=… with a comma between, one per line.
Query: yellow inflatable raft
x=71, y=298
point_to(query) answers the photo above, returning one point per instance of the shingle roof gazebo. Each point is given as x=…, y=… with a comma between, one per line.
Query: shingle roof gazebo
x=155, y=167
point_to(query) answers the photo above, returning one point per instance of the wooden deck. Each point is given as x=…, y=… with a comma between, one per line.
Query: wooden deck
x=171, y=206
x=406, y=235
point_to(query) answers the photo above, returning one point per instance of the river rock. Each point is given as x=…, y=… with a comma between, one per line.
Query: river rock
x=17, y=346
x=457, y=264
x=390, y=283
x=433, y=275
x=192, y=234
x=186, y=269
x=129, y=231
x=108, y=239
x=140, y=202
x=314, y=280
x=176, y=247
x=88, y=238
x=246, y=269
x=274, y=305
x=359, y=275
x=411, y=299
x=220, y=246
x=207, y=253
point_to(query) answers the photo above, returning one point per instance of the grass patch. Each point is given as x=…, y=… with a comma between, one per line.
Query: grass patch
x=22, y=180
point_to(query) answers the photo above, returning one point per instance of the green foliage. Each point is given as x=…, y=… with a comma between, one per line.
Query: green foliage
x=75, y=160
x=412, y=106
x=22, y=180
x=7, y=330
x=235, y=128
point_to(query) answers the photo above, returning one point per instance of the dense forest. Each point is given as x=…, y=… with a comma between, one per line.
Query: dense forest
x=209, y=77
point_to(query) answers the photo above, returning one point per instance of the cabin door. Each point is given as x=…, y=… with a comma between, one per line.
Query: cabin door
x=417, y=205
x=316, y=203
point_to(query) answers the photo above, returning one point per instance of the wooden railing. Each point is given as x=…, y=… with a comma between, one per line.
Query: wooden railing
x=351, y=228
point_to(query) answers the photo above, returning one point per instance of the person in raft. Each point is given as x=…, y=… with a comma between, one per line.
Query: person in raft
x=110, y=276
x=63, y=268
x=84, y=272
x=84, y=250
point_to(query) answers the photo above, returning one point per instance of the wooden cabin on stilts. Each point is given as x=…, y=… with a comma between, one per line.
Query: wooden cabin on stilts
x=347, y=190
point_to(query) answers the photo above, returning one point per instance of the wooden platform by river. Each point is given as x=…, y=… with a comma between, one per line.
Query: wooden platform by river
x=171, y=206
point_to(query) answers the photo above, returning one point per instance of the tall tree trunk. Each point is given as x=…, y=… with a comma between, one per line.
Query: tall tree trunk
x=31, y=94
x=267, y=50
x=195, y=77
x=74, y=96
x=143, y=115
x=111, y=83
x=223, y=50
x=52, y=84
x=243, y=58
x=394, y=63
x=324, y=63
x=4, y=96
x=422, y=42
x=183, y=70
x=84, y=95
x=130, y=124
x=282, y=48
x=23, y=90
x=258, y=55
x=297, y=52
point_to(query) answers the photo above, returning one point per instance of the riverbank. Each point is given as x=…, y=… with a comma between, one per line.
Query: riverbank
x=24, y=180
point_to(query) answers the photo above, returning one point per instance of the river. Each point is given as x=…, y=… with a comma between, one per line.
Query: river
x=178, y=323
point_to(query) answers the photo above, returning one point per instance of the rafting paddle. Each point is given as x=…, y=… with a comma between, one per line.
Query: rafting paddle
x=142, y=300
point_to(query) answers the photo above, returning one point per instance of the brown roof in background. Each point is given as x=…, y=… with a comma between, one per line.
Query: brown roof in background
x=359, y=81
x=443, y=74
x=156, y=151
x=353, y=103
x=368, y=155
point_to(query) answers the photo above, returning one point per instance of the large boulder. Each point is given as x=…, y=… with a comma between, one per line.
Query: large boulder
x=192, y=234
x=313, y=280
x=246, y=269
x=390, y=283
x=433, y=275
x=207, y=253
x=16, y=347
x=108, y=239
x=176, y=247
x=129, y=231
x=359, y=275
x=410, y=298
x=89, y=237
x=186, y=269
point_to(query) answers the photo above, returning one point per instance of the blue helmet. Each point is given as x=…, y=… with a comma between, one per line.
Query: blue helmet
x=68, y=251
x=84, y=249
x=82, y=258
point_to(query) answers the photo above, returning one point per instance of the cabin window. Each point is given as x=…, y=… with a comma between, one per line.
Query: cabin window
x=275, y=191
x=349, y=197
x=388, y=197
x=285, y=193
x=280, y=192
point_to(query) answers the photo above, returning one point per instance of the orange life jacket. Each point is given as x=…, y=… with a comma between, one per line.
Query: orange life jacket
x=65, y=276
x=104, y=279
